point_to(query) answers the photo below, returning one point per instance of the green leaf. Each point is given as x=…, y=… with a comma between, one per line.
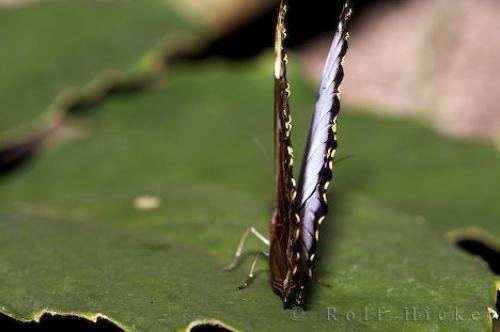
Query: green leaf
x=59, y=52
x=74, y=240
x=452, y=183
x=148, y=282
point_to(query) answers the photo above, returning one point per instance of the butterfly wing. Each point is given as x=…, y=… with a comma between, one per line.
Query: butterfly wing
x=285, y=186
x=319, y=154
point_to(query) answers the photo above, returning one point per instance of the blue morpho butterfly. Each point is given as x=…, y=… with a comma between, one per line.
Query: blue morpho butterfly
x=300, y=210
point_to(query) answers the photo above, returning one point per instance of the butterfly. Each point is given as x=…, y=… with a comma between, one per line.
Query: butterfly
x=301, y=207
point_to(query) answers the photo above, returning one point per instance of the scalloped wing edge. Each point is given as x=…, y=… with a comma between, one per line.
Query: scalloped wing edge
x=319, y=154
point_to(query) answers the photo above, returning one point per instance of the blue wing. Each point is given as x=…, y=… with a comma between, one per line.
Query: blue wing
x=316, y=172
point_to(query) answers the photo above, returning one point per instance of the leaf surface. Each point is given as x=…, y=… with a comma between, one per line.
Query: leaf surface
x=74, y=240
x=58, y=52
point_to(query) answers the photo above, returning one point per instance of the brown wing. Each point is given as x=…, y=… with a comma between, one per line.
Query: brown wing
x=285, y=187
x=320, y=151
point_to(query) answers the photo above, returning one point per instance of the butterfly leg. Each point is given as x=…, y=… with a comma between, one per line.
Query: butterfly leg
x=251, y=275
x=241, y=244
